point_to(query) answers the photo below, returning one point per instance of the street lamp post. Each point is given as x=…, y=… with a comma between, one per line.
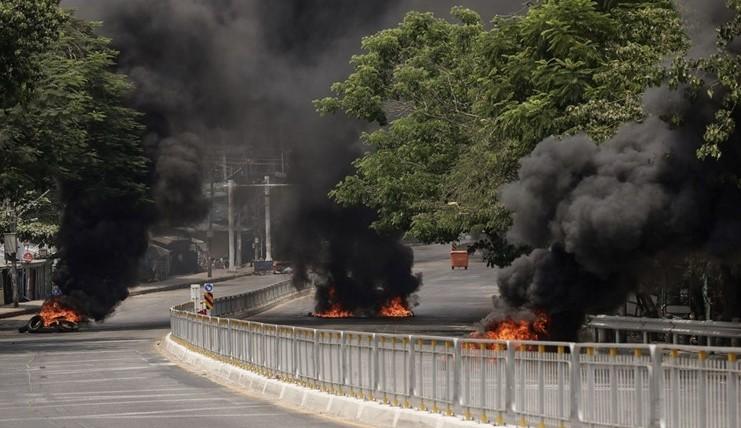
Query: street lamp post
x=268, y=238
x=11, y=250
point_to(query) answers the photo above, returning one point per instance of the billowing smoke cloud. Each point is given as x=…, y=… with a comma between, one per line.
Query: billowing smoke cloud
x=600, y=217
x=179, y=170
x=360, y=269
x=702, y=18
x=102, y=234
x=242, y=74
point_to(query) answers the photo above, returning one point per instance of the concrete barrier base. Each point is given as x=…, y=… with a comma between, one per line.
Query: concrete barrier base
x=354, y=410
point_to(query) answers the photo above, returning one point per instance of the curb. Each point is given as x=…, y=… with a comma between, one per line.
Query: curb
x=350, y=409
x=20, y=312
x=254, y=311
x=176, y=286
x=186, y=284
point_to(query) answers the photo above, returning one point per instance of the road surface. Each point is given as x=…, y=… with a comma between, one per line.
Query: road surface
x=449, y=302
x=110, y=375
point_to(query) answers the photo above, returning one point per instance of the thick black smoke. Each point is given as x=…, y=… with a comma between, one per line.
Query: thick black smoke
x=102, y=234
x=242, y=74
x=601, y=217
x=179, y=170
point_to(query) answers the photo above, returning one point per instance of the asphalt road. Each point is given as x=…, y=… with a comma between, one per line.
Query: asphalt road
x=450, y=302
x=110, y=375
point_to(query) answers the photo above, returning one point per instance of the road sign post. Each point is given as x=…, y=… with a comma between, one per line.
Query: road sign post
x=195, y=296
x=208, y=297
x=208, y=301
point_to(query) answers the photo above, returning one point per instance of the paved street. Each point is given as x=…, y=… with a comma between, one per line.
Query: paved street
x=110, y=375
x=450, y=301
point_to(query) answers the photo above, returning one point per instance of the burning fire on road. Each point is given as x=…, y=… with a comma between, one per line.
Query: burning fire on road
x=396, y=307
x=56, y=313
x=508, y=328
x=334, y=311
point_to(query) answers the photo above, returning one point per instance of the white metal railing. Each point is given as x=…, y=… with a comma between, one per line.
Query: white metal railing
x=528, y=383
x=672, y=330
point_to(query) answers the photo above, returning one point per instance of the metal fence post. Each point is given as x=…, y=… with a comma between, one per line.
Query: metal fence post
x=541, y=381
x=457, y=367
x=376, y=380
x=294, y=353
x=575, y=385
x=509, y=387
x=209, y=329
x=732, y=392
x=316, y=355
x=655, y=385
x=278, y=360
x=411, y=381
x=702, y=387
x=343, y=359
x=229, y=337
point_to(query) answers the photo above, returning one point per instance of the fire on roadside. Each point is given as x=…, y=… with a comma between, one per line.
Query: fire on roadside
x=54, y=310
x=511, y=329
x=396, y=307
x=335, y=309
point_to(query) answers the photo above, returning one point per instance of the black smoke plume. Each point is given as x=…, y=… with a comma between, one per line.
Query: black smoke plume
x=602, y=217
x=179, y=170
x=230, y=74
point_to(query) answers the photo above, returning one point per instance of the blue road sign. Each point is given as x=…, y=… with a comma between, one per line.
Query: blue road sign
x=208, y=287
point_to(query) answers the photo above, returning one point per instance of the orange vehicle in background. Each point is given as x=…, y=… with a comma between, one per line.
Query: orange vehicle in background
x=458, y=258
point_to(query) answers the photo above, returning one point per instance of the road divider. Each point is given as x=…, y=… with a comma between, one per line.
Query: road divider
x=523, y=383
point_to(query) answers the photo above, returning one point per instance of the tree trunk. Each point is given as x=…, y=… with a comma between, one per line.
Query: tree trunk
x=731, y=301
x=14, y=284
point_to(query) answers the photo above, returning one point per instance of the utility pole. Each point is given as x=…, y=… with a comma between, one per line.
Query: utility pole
x=210, y=233
x=11, y=248
x=238, y=253
x=268, y=243
x=230, y=218
x=14, y=268
x=223, y=165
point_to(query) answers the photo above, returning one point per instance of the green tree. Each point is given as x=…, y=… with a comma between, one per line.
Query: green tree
x=458, y=104
x=718, y=76
x=27, y=28
x=74, y=136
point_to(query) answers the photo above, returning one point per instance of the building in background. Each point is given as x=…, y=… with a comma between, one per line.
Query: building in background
x=34, y=277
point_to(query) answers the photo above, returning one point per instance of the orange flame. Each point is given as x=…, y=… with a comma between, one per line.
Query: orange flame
x=54, y=310
x=509, y=329
x=335, y=308
x=335, y=311
x=397, y=307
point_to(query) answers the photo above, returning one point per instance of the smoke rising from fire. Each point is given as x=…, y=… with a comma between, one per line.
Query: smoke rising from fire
x=228, y=73
x=601, y=217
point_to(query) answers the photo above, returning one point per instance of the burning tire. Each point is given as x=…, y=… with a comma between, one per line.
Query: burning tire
x=35, y=324
x=57, y=313
x=66, y=326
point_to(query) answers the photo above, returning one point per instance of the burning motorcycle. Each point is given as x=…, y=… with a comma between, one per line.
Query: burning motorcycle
x=57, y=313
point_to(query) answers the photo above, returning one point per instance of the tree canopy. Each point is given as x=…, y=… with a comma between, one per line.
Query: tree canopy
x=457, y=104
x=72, y=136
x=27, y=28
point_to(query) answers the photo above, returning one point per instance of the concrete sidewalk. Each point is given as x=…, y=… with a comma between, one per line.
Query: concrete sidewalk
x=176, y=282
